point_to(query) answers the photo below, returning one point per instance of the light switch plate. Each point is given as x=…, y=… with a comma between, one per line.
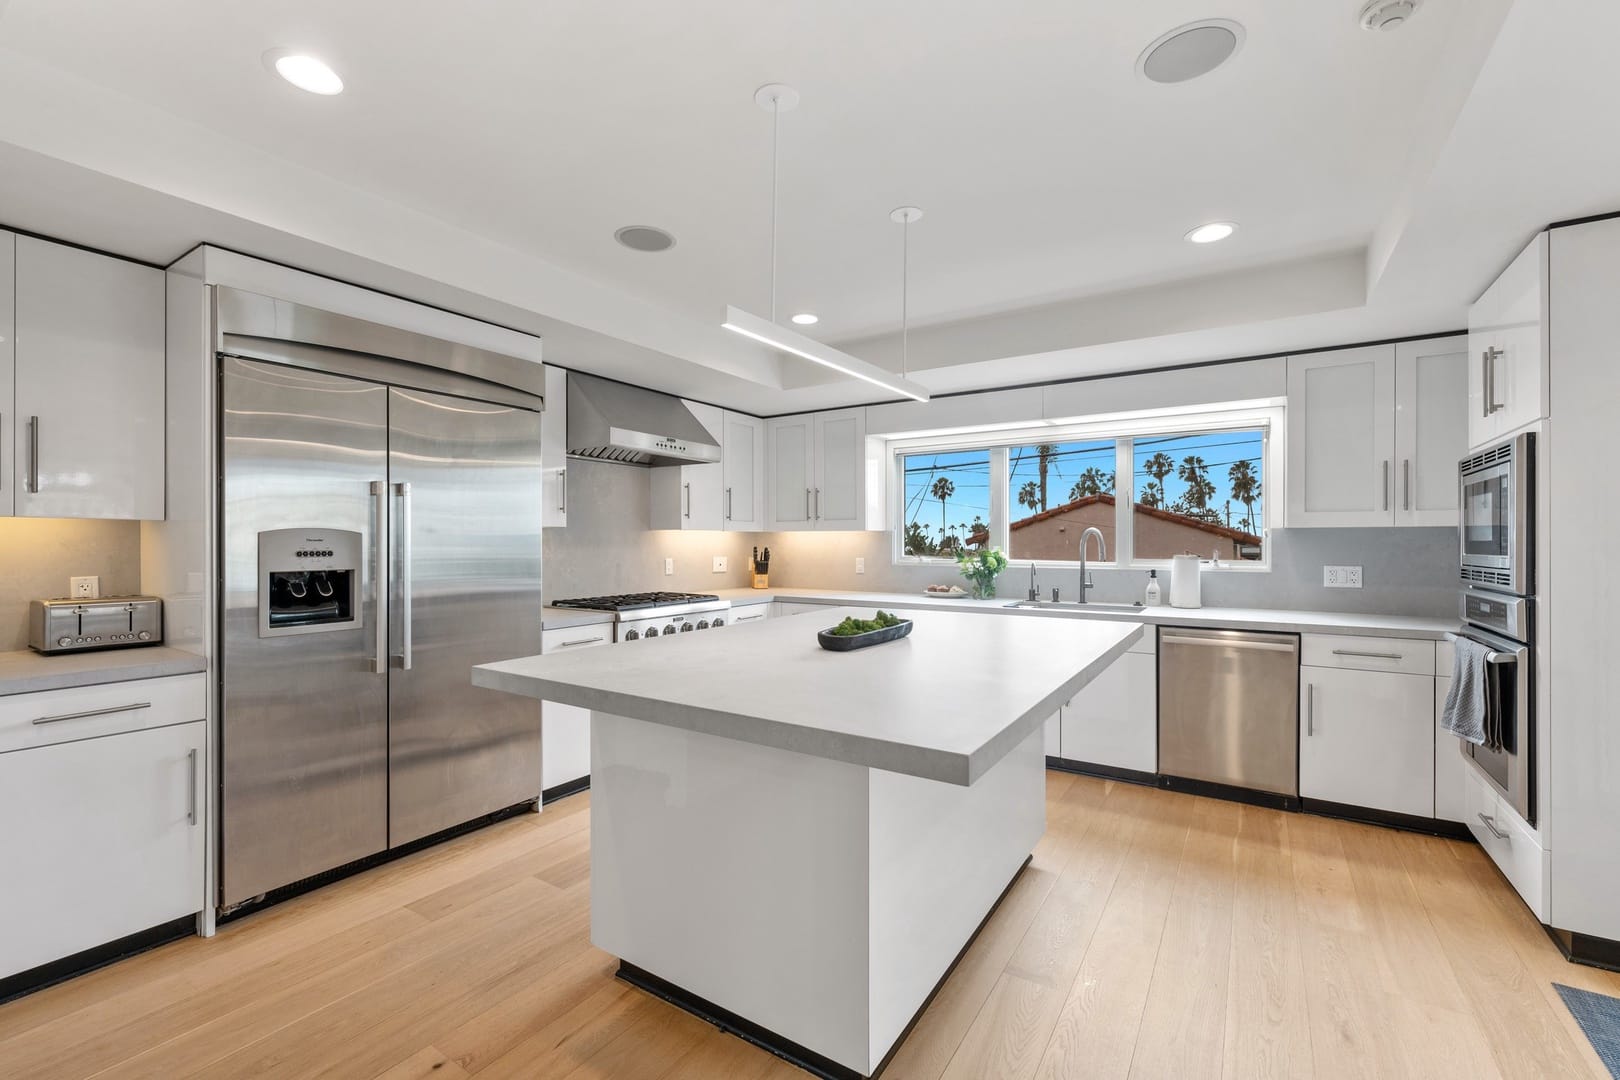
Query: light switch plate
x=1341, y=577
x=860, y=565
x=669, y=567
x=84, y=588
x=719, y=564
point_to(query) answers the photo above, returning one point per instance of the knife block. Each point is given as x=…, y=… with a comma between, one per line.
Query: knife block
x=761, y=581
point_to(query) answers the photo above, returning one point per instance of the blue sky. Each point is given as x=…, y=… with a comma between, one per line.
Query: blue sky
x=969, y=473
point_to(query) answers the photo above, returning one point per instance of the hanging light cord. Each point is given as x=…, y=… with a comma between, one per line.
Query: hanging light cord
x=905, y=284
x=776, y=155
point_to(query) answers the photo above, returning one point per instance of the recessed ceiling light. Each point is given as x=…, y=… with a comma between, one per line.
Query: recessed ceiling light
x=644, y=238
x=1387, y=14
x=805, y=319
x=304, y=71
x=1190, y=51
x=1215, y=230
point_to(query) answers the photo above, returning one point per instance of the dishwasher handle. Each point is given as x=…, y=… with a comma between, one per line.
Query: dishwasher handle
x=1229, y=643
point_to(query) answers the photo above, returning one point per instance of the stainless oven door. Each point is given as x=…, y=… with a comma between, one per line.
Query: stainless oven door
x=1507, y=758
x=1497, y=513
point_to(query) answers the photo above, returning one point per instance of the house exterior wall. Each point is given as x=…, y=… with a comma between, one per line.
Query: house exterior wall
x=1058, y=536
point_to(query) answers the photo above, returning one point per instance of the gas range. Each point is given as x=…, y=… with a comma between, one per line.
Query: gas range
x=646, y=616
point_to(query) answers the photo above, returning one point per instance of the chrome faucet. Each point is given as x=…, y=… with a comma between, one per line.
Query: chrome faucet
x=1102, y=556
x=1034, y=593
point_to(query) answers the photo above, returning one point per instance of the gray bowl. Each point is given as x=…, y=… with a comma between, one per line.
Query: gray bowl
x=848, y=643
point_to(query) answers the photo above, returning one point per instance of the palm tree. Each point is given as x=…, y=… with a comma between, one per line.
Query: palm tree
x=1194, y=473
x=1245, y=489
x=1029, y=496
x=1159, y=466
x=942, y=490
x=1092, y=482
x=1045, y=453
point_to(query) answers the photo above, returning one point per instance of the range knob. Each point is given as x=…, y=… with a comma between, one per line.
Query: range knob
x=632, y=635
x=145, y=635
x=703, y=624
x=718, y=622
x=670, y=629
x=652, y=631
x=686, y=627
x=63, y=642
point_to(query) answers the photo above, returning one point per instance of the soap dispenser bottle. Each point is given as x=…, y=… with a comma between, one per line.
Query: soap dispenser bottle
x=1152, y=598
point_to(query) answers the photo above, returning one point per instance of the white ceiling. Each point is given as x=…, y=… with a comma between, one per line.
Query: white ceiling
x=483, y=154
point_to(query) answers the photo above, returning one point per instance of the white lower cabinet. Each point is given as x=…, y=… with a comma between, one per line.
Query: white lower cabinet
x=749, y=613
x=1367, y=739
x=1052, y=735
x=565, y=730
x=1114, y=720
x=1510, y=843
x=780, y=608
x=103, y=838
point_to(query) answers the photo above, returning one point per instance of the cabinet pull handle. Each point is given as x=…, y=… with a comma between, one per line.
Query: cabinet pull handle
x=562, y=491
x=578, y=641
x=1490, y=823
x=92, y=712
x=807, y=504
x=33, y=455
x=1490, y=357
x=728, y=504
x=1310, y=709
x=818, y=504
x=1406, y=482
x=688, y=496
x=1369, y=655
x=379, y=659
x=403, y=490
x=191, y=805
x=1386, y=483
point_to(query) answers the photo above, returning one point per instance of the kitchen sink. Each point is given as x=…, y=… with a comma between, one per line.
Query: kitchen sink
x=1070, y=605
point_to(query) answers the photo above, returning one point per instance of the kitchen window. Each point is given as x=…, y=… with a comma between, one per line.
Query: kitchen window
x=1155, y=487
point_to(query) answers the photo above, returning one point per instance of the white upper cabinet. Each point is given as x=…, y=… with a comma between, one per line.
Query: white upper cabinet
x=790, y=449
x=1341, y=438
x=817, y=465
x=1507, y=349
x=743, y=466
x=840, y=489
x=1375, y=433
x=692, y=496
x=554, y=450
x=1431, y=428
x=88, y=425
x=8, y=372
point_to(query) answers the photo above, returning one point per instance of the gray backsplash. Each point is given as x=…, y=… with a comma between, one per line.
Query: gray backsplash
x=38, y=555
x=608, y=547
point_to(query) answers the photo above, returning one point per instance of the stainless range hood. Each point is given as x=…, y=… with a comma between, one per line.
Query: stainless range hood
x=612, y=421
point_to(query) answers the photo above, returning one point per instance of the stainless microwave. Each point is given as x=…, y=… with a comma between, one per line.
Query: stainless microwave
x=1498, y=516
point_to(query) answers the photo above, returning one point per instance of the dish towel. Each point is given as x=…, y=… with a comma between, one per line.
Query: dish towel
x=1464, y=711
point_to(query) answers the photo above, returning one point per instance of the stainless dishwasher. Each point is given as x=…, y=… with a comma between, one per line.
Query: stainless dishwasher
x=1229, y=708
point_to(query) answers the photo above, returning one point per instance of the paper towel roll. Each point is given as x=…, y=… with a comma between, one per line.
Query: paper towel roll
x=1185, y=591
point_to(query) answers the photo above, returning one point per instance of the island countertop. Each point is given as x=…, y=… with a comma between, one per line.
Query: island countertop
x=945, y=703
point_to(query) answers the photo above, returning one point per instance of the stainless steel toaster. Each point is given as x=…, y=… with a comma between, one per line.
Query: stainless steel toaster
x=68, y=625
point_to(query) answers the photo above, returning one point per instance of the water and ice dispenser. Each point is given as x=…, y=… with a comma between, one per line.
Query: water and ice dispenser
x=309, y=581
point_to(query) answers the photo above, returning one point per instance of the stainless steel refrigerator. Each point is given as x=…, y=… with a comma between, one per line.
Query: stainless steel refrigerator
x=379, y=540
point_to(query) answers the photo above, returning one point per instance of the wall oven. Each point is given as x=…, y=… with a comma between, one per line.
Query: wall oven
x=1506, y=759
x=1498, y=507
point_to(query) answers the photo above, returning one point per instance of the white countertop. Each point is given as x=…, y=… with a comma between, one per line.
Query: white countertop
x=1286, y=621
x=945, y=703
x=25, y=671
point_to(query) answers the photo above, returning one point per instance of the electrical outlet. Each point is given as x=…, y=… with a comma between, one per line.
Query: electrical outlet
x=84, y=588
x=669, y=567
x=860, y=565
x=1341, y=577
x=720, y=564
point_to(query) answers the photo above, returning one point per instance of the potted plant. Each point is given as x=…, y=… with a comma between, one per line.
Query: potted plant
x=981, y=568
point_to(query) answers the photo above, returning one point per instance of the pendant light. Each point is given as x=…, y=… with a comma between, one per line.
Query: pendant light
x=777, y=98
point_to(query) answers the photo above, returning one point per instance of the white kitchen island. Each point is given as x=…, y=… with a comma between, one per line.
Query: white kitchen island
x=798, y=844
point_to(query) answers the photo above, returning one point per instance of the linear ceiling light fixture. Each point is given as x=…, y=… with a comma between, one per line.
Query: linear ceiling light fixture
x=777, y=99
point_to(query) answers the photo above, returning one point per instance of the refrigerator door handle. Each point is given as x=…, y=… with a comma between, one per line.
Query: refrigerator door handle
x=403, y=544
x=379, y=591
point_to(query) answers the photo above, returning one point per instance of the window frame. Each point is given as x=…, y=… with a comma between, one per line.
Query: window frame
x=1003, y=439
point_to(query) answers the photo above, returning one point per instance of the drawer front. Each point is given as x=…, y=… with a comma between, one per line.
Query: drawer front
x=87, y=712
x=1367, y=653
x=751, y=614
x=1510, y=844
x=574, y=638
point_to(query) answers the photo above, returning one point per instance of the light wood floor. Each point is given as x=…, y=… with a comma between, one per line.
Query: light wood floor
x=1154, y=935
